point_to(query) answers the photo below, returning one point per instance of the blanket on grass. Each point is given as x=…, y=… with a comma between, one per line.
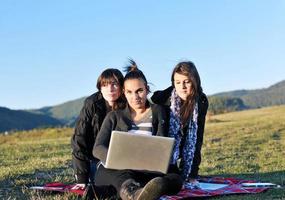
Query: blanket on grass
x=209, y=187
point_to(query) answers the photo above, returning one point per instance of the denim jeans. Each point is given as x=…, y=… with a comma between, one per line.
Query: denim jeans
x=93, y=169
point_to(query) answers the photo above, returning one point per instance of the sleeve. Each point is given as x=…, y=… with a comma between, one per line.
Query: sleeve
x=79, y=143
x=162, y=122
x=160, y=97
x=101, y=145
x=200, y=136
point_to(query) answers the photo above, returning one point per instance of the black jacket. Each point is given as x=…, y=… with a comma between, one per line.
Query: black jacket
x=121, y=120
x=87, y=127
x=163, y=98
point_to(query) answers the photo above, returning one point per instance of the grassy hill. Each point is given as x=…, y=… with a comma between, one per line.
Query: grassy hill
x=273, y=95
x=22, y=120
x=227, y=101
x=248, y=144
x=66, y=112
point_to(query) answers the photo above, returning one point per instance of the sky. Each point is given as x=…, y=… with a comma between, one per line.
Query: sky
x=53, y=51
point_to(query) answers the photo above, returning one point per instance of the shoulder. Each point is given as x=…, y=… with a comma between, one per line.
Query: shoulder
x=94, y=99
x=162, y=96
x=111, y=114
x=156, y=107
x=203, y=103
x=116, y=114
x=159, y=111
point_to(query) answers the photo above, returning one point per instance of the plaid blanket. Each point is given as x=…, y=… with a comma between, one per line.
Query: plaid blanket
x=229, y=186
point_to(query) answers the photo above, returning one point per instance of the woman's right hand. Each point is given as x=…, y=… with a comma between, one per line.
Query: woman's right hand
x=79, y=186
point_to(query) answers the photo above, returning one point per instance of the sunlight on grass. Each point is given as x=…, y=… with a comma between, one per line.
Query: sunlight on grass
x=248, y=144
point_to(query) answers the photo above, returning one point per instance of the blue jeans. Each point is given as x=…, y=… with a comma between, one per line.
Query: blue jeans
x=93, y=169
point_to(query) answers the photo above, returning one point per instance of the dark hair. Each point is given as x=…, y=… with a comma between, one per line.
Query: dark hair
x=109, y=74
x=133, y=72
x=188, y=69
x=105, y=78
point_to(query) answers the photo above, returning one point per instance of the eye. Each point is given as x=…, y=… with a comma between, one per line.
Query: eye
x=140, y=90
x=115, y=84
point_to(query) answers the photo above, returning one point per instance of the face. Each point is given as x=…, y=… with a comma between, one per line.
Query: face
x=111, y=91
x=136, y=93
x=182, y=85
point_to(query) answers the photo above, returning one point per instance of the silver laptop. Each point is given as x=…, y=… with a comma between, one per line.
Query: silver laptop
x=139, y=152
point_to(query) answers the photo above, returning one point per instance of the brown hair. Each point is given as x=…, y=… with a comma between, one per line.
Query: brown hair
x=188, y=69
x=105, y=78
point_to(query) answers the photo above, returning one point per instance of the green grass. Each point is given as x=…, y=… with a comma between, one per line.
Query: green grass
x=248, y=144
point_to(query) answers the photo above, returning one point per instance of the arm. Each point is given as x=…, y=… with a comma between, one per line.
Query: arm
x=80, y=143
x=101, y=146
x=161, y=97
x=203, y=107
x=162, y=121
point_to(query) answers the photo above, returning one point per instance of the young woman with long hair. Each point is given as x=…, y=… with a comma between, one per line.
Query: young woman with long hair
x=187, y=107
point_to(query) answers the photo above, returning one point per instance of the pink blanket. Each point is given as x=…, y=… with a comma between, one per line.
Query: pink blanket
x=218, y=186
x=228, y=186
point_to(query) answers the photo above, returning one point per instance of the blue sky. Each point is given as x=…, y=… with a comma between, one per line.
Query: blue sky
x=53, y=51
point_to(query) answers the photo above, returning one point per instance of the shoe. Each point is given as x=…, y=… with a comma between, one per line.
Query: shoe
x=154, y=189
x=129, y=189
x=99, y=192
x=174, y=183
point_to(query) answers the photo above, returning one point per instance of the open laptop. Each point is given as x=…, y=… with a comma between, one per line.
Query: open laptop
x=139, y=152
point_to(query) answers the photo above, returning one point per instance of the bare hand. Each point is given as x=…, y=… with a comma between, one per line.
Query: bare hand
x=79, y=186
x=194, y=183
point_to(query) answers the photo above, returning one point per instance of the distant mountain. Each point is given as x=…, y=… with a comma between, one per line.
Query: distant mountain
x=221, y=104
x=67, y=112
x=273, y=95
x=22, y=120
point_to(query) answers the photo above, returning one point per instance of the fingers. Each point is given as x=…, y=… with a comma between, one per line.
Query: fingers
x=79, y=186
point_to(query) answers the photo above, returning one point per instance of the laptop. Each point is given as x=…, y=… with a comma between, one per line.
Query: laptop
x=139, y=152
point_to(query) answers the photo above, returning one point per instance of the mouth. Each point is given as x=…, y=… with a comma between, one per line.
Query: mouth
x=137, y=102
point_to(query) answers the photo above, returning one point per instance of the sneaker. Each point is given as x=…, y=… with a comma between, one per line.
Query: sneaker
x=129, y=189
x=153, y=190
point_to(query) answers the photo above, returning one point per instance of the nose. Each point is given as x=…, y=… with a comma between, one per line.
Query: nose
x=183, y=85
x=136, y=96
x=111, y=87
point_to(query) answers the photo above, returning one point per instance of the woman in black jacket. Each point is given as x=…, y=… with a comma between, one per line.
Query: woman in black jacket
x=187, y=107
x=91, y=117
x=139, y=117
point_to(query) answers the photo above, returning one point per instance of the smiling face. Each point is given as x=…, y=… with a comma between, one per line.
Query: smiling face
x=182, y=85
x=136, y=93
x=111, y=91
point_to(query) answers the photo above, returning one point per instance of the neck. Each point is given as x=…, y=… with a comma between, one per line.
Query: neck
x=110, y=103
x=137, y=114
x=138, y=110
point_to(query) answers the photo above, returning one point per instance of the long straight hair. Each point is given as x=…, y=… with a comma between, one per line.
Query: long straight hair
x=188, y=69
